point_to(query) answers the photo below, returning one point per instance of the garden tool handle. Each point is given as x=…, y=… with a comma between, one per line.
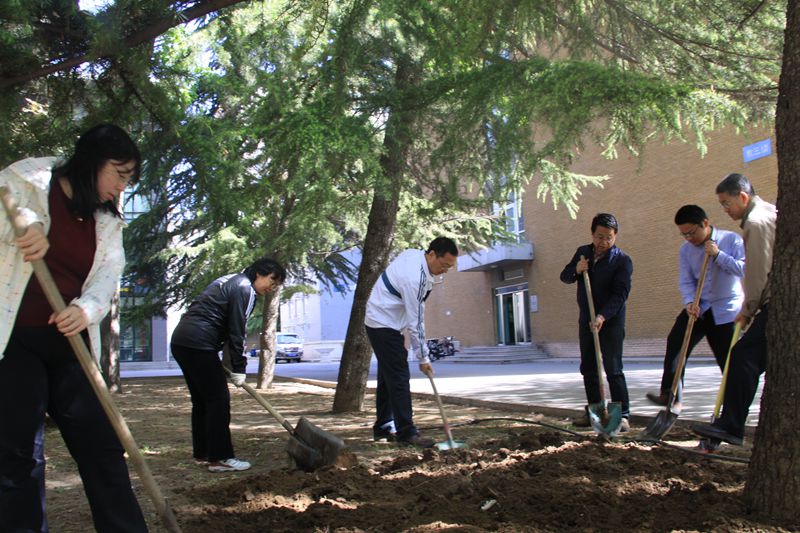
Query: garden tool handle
x=598, y=353
x=92, y=372
x=445, y=423
x=264, y=403
x=737, y=330
x=687, y=336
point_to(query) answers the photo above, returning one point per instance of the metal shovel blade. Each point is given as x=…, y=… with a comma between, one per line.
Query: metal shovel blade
x=450, y=445
x=305, y=457
x=312, y=447
x=660, y=425
x=605, y=417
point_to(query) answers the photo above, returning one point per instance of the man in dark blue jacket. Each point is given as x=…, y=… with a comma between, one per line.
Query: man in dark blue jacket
x=610, y=275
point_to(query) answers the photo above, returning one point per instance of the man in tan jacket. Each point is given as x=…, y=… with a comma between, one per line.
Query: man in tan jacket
x=749, y=356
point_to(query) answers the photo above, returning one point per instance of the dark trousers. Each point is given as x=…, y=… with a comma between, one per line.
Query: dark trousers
x=719, y=338
x=393, y=395
x=40, y=374
x=611, y=337
x=748, y=362
x=211, y=402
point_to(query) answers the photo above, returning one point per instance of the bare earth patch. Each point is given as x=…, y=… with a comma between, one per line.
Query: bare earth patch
x=515, y=477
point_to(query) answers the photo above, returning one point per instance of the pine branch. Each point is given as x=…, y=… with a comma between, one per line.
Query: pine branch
x=151, y=31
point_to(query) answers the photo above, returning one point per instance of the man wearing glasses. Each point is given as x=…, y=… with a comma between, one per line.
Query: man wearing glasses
x=720, y=300
x=749, y=357
x=397, y=304
x=610, y=271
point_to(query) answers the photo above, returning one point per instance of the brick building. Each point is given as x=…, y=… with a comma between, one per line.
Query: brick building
x=513, y=295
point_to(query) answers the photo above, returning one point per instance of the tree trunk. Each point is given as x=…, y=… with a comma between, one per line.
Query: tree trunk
x=773, y=482
x=109, y=347
x=356, y=353
x=266, y=355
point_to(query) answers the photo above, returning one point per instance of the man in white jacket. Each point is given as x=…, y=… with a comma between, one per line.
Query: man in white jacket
x=397, y=304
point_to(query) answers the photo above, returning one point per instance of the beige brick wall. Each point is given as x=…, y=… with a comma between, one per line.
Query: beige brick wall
x=643, y=194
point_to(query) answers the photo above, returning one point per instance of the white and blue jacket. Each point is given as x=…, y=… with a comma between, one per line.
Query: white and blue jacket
x=398, y=299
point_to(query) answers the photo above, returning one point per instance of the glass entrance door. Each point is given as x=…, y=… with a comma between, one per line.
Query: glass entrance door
x=513, y=316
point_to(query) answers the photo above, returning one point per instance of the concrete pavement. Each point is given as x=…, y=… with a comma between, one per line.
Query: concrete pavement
x=547, y=382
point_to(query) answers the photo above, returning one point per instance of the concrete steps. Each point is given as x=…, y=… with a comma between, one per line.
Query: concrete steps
x=496, y=355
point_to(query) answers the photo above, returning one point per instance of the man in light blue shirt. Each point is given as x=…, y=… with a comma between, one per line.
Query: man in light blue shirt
x=720, y=300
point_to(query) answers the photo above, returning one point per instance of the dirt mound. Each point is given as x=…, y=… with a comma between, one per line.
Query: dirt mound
x=514, y=477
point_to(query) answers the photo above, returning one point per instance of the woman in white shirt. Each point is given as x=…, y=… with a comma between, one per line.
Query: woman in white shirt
x=74, y=224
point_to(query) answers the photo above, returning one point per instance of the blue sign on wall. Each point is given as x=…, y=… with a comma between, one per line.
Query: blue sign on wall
x=757, y=150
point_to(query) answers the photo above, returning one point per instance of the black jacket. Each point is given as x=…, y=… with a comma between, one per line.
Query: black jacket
x=218, y=316
x=611, y=283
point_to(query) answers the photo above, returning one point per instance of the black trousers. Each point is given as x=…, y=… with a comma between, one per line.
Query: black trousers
x=612, y=335
x=211, y=402
x=393, y=395
x=39, y=374
x=719, y=338
x=748, y=362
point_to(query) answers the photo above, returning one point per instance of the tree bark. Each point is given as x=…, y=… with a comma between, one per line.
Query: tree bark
x=109, y=347
x=266, y=355
x=356, y=353
x=773, y=481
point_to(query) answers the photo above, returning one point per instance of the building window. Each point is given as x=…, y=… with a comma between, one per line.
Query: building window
x=135, y=342
x=135, y=339
x=511, y=213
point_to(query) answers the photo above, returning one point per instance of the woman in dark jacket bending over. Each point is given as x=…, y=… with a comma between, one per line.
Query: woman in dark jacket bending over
x=215, y=318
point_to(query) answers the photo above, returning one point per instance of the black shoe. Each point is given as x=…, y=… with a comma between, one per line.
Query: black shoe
x=715, y=432
x=417, y=440
x=383, y=435
x=658, y=399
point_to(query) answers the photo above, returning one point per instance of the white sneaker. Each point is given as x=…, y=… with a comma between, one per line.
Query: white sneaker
x=228, y=465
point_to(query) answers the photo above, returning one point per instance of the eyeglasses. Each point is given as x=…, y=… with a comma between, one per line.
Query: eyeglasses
x=690, y=234
x=726, y=204
x=444, y=264
x=603, y=238
x=124, y=174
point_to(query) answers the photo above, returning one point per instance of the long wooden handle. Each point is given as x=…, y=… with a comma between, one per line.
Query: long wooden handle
x=598, y=353
x=737, y=330
x=87, y=362
x=445, y=422
x=687, y=336
x=264, y=403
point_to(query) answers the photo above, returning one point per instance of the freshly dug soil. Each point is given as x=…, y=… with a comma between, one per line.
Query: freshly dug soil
x=514, y=477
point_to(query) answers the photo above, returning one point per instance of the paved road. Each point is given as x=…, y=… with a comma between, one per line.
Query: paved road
x=552, y=382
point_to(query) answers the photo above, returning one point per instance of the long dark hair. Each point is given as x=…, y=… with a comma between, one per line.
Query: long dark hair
x=96, y=146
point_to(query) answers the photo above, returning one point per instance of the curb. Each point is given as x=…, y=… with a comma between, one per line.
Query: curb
x=555, y=412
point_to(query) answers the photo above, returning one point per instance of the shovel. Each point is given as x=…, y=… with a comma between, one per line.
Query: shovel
x=96, y=380
x=665, y=419
x=605, y=416
x=707, y=444
x=450, y=444
x=310, y=446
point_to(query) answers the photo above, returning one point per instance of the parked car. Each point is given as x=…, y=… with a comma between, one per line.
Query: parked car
x=290, y=348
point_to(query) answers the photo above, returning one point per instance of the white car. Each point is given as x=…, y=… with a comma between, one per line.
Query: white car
x=289, y=347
